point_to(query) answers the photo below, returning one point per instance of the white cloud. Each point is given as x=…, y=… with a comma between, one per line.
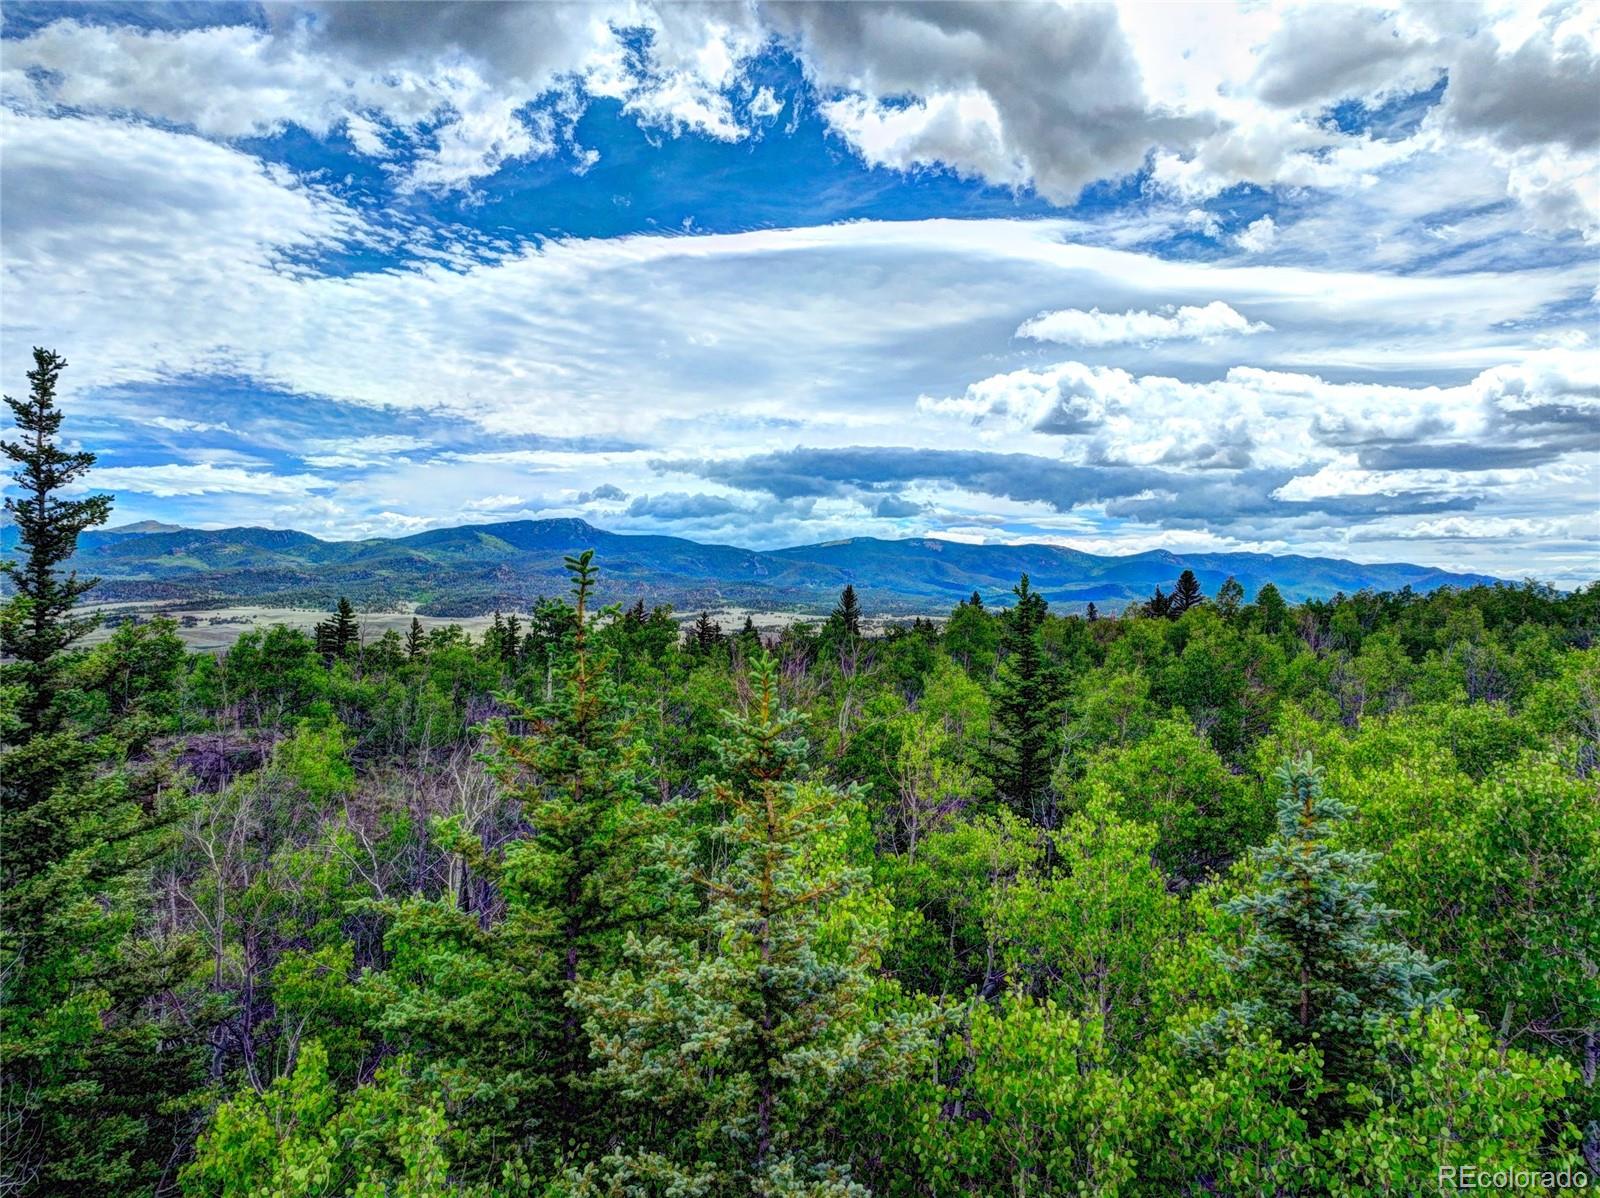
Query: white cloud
x=165, y=253
x=174, y=424
x=495, y=503
x=765, y=104
x=1019, y=94
x=1258, y=235
x=205, y=478
x=1074, y=326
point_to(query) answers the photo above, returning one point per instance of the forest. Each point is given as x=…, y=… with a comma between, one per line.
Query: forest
x=1218, y=895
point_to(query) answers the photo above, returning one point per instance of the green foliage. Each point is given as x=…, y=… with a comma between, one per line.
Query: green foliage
x=38, y=622
x=1085, y=924
x=1025, y=732
x=581, y=905
x=1029, y=1106
x=84, y=1105
x=740, y=1040
x=1203, y=815
x=316, y=760
x=1442, y=1094
x=300, y=1139
x=1316, y=969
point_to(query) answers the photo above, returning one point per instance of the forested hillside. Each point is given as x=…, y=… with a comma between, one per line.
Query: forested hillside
x=1214, y=898
x=476, y=569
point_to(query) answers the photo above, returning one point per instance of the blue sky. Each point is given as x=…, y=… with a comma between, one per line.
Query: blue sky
x=1313, y=279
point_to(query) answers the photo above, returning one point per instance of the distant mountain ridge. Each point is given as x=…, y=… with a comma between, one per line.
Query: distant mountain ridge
x=471, y=569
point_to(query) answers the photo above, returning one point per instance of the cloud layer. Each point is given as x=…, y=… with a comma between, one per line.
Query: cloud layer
x=1313, y=277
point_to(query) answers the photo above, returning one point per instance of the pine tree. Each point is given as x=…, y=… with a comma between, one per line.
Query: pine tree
x=847, y=615
x=976, y=600
x=339, y=634
x=414, y=640
x=511, y=643
x=39, y=621
x=749, y=639
x=739, y=1042
x=1025, y=735
x=706, y=635
x=1185, y=595
x=1158, y=605
x=1316, y=967
x=479, y=995
x=1091, y=613
x=82, y=1073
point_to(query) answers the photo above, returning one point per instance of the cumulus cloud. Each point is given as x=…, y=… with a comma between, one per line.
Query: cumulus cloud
x=1258, y=235
x=1212, y=96
x=990, y=88
x=1074, y=326
x=452, y=79
x=1396, y=360
x=1328, y=51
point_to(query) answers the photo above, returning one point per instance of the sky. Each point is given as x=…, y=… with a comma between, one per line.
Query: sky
x=1309, y=279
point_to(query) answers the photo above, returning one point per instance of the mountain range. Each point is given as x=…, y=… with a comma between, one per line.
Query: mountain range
x=472, y=569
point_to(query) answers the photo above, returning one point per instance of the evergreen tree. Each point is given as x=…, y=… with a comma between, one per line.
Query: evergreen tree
x=847, y=615
x=740, y=1042
x=346, y=632
x=414, y=640
x=1316, y=968
x=511, y=643
x=706, y=635
x=1025, y=733
x=749, y=640
x=39, y=621
x=83, y=1074
x=976, y=600
x=339, y=634
x=1091, y=613
x=1158, y=605
x=1185, y=595
x=479, y=995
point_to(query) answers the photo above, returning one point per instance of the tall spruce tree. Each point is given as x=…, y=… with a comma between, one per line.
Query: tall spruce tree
x=847, y=614
x=414, y=640
x=706, y=635
x=740, y=1042
x=1158, y=605
x=82, y=1079
x=346, y=632
x=1025, y=732
x=39, y=621
x=478, y=996
x=1185, y=595
x=1316, y=968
